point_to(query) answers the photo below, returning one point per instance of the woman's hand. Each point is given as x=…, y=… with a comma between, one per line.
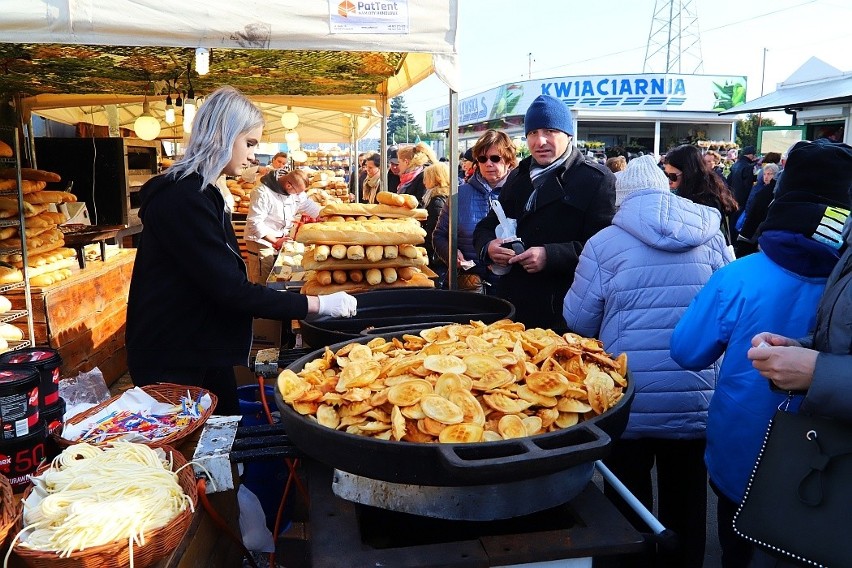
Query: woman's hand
x=783, y=361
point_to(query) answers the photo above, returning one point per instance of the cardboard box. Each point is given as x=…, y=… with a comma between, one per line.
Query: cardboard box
x=266, y=334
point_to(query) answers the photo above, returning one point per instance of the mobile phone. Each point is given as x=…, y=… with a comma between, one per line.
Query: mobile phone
x=516, y=245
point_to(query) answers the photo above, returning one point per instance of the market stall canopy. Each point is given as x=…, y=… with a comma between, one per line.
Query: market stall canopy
x=814, y=83
x=126, y=48
x=321, y=119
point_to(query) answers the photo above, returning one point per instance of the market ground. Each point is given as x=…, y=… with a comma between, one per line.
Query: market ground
x=289, y=548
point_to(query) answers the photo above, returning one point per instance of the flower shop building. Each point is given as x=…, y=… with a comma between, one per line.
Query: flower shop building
x=647, y=112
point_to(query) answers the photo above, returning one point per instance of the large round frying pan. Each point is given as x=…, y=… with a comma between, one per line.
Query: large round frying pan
x=454, y=464
x=383, y=311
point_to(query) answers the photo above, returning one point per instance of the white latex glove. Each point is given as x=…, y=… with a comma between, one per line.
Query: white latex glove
x=339, y=304
x=309, y=207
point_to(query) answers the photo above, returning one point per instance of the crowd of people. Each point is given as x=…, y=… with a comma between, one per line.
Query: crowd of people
x=638, y=253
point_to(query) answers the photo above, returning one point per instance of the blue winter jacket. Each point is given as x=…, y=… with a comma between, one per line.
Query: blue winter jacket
x=633, y=282
x=474, y=199
x=751, y=295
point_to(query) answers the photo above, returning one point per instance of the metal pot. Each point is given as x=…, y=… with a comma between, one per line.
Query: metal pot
x=454, y=464
x=404, y=309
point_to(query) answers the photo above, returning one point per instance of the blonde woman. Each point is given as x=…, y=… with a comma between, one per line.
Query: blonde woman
x=436, y=179
x=412, y=161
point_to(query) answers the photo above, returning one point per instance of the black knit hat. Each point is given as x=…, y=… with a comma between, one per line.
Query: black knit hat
x=819, y=171
x=813, y=194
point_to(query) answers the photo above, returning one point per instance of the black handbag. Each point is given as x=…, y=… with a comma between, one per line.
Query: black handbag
x=798, y=501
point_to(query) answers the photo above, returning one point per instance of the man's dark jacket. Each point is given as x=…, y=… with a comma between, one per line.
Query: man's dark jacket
x=575, y=202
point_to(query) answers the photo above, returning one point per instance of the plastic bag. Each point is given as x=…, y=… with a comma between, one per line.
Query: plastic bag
x=84, y=391
x=256, y=536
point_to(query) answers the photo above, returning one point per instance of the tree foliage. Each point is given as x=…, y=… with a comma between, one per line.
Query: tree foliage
x=402, y=126
x=747, y=129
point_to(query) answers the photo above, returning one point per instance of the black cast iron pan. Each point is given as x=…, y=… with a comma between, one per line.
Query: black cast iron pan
x=453, y=464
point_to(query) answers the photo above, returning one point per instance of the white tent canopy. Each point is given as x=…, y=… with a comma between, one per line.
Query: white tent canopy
x=249, y=24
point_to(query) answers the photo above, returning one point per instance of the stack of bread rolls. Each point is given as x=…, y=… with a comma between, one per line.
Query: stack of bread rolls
x=241, y=191
x=359, y=247
x=49, y=260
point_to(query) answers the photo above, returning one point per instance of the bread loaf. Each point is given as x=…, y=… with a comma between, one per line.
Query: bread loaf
x=50, y=197
x=30, y=174
x=339, y=276
x=5, y=305
x=338, y=251
x=356, y=276
x=391, y=251
x=405, y=272
x=389, y=275
x=388, y=198
x=408, y=251
x=10, y=275
x=10, y=332
x=355, y=252
x=379, y=210
x=323, y=277
x=321, y=252
x=373, y=276
x=385, y=232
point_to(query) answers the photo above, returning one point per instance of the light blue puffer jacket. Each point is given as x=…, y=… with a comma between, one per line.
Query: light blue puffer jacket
x=634, y=281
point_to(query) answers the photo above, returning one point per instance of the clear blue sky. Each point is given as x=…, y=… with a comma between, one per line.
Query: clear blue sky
x=581, y=38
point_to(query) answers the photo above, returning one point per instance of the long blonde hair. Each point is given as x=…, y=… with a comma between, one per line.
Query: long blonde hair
x=436, y=179
x=419, y=154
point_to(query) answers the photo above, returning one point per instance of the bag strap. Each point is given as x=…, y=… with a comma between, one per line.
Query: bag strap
x=812, y=481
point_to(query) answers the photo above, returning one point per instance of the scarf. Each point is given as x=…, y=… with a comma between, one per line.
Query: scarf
x=371, y=188
x=407, y=176
x=540, y=174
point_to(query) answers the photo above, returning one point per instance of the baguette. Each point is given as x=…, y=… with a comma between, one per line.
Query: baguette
x=385, y=232
x=50, y=197
x=408, y=251
x=373, y=276
x=338, y=251
x=375, y=253
x=355, y=276
x=339, y=276
x=405, y=272
x=30, y=174
x=373, y=210
x=389, y=275
x=391, y=251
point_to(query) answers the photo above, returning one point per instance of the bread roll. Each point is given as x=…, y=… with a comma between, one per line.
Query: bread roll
x=374, y=276
x=375, y=253
x=389, y=275
x=5, y=150
x=321, y=253
x=356, y=276
x=405, y=272
x=408, y=251
x=10, y=333
x=324, y=277
x=338, y=251
x=336, y=218
x=339, y=276
x=5, y=305
x=355, y=252
x=391, y=251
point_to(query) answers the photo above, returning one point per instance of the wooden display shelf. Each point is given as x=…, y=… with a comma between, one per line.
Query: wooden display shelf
x=83, y=317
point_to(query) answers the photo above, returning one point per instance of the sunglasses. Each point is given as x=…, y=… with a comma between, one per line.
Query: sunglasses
x=673, y=176
x=494, y=158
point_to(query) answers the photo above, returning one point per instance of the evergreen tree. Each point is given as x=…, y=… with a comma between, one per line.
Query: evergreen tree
x=402, y=127
x=747, y=129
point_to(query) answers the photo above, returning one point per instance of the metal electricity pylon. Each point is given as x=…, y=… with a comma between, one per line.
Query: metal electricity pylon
x=674, y=42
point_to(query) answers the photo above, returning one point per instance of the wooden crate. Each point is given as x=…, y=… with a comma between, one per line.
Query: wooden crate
x=84, y=316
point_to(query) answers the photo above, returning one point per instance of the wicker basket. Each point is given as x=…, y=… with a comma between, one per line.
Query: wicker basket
x=158, y=543
x=163, y=392
x=8, y=510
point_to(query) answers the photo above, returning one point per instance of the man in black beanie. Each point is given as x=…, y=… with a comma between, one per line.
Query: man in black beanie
x=741, y=179
x=559, y=199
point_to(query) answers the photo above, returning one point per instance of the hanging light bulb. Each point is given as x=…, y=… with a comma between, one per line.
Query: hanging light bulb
x=299, y=156
x=170, y=110
x=289, y=119
x=146, y=126
x=291, y=137
x=189, y=109
x=202, y=60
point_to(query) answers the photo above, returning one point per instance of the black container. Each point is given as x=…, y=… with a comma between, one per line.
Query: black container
x=454, y=464
x=21, y=457
x=19, y=400
x=54, y=417
x=48, y=363
x=413, y=308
